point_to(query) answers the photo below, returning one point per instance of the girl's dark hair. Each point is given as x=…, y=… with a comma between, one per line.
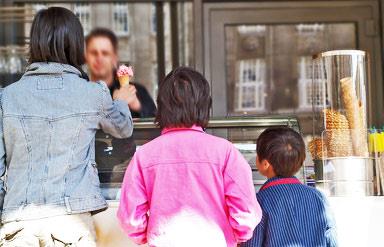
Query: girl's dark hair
x=183, y=99
x=57, y=36
x=283, y=148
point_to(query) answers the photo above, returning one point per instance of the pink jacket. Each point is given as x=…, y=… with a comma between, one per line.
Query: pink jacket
x=188, y=188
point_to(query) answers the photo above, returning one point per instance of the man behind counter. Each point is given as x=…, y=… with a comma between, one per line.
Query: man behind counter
x=102, y=61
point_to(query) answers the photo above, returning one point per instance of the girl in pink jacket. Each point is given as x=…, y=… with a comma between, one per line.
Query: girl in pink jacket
x=186, y=187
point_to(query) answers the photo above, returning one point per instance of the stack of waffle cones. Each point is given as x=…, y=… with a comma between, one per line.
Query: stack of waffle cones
x=318, y=149
x=356, y=117
x=338, y=136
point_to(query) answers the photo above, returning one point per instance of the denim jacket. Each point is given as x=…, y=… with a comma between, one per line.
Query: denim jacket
x=48, y=121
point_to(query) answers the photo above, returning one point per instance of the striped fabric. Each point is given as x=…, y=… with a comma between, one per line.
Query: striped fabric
x=294, y=215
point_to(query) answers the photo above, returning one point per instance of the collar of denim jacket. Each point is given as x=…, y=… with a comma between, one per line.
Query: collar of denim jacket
x=43, y=68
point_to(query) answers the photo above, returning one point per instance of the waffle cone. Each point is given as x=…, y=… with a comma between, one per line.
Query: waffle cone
x=338, y=136
x=318, y=149
x=123, y=80
x=356, y=117
x=339, y=143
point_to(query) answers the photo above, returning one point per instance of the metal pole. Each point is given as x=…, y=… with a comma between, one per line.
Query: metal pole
x=160, y=41
x=175, y=35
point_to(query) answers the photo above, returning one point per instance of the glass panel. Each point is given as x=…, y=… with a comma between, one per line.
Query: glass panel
x=113, y=156
x=185, y=30
x=120, y=19
x=135, y=24
x=112, y=168
x=269, y=67
x=167, y=37
x=185, y=35
x=132, y=23
x=83, y=11
x=12, y=63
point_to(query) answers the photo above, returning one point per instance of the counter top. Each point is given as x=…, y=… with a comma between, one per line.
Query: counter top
x=359, y=222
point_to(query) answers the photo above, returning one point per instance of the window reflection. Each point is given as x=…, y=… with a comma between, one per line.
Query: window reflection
x=135, y=24
x=269, y=67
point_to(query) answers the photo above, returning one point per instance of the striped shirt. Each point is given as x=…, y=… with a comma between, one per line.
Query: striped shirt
x=294, y=215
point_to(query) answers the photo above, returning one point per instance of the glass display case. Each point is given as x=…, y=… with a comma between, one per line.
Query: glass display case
x=13, y=61
x=153, y=37
x=113, y=155
x=343, y=165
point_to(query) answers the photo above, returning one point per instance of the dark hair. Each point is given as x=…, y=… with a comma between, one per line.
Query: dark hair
x=57, y=36
x=105, y=33
x=283, y=148
x=183, y=99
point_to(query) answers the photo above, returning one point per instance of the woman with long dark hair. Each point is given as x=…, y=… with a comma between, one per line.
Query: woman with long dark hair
x=49, y=183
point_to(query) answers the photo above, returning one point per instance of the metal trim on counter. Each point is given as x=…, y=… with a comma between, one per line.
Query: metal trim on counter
x=269, y=121
x=94, y=1
x=339, y=53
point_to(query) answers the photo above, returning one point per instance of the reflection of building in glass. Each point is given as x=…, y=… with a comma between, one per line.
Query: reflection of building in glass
x=120, y=19
x=37, y=7
x=153, y=19
x=250, y=85
x=246, y=68
x=135, y=24
x=309, y=29
x=286, y=74
x=83, y=11
x=310, y=91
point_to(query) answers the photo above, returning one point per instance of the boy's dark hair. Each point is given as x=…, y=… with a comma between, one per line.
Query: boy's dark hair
x=57, y=36
x=105, y=33
x=283, y=148
x=183, y=99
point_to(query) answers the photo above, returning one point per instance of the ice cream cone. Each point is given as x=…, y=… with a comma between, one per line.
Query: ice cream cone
x=123, y=80
x=124, y=73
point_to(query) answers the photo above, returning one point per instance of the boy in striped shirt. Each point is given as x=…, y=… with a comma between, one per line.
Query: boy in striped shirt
x=294, y=214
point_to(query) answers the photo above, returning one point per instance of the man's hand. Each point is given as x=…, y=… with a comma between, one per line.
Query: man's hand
x=128, y=94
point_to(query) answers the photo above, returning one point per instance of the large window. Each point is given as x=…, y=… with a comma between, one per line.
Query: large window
x=269, y=67
x=138, y=29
